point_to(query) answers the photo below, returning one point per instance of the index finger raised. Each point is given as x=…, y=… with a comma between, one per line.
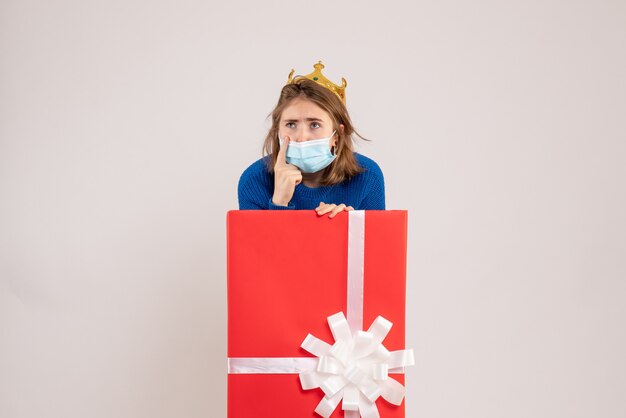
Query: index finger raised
x=282, y=152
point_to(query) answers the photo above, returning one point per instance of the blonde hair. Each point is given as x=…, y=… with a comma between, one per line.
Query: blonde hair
x=344, y=165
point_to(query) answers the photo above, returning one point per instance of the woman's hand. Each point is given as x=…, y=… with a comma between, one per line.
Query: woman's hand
x=324, y=208
x=286, y=177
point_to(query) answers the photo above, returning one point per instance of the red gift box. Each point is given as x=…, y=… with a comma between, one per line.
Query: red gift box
x=287, y=272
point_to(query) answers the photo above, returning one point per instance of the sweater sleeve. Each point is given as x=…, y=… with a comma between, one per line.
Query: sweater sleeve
x=252, y=190
x=255, y=189
x=247, y=198
x=375, y=190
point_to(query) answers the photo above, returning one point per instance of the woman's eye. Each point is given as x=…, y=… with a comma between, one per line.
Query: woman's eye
x=290, y=125
x=315, y=125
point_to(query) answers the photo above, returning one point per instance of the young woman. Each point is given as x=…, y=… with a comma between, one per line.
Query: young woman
x=309, y=161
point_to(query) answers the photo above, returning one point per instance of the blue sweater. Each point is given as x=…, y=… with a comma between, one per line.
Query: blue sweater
x=366, y=190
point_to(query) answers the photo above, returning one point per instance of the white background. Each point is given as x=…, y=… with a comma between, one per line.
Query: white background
x=124, y=127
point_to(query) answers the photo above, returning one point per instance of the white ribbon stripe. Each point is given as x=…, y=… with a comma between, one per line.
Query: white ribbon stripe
x=279, y=365
x=356, y=262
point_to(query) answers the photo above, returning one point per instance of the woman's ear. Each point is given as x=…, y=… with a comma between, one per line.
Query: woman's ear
x=336, y=137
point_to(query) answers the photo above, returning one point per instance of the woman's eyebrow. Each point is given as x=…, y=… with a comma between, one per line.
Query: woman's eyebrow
x=307, y=119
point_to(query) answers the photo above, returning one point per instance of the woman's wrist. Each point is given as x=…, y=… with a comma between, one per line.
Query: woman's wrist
x=279, y=202
x=274, y=206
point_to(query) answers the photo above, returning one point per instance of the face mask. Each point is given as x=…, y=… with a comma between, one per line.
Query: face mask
x=310, y=156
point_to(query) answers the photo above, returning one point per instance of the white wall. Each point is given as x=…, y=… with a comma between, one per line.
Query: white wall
x=124, y=127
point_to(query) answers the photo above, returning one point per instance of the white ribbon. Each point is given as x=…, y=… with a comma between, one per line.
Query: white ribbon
x=354, y=371
x=278, y=365
x=356, y=258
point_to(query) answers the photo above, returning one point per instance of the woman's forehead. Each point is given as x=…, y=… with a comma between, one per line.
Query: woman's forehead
x=304, y=109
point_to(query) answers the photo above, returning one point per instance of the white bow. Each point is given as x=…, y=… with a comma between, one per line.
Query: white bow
x=354, y=370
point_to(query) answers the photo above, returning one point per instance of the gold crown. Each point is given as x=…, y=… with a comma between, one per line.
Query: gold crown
x=319, y=78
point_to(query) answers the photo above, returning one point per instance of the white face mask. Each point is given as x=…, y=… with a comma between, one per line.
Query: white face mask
x=311, y=156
